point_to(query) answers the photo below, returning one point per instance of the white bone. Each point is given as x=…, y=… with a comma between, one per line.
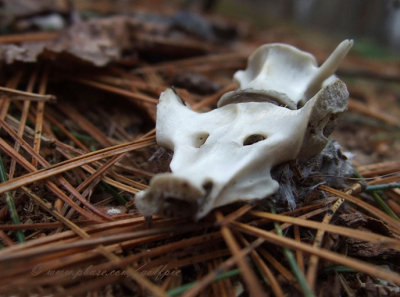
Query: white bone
x=285, y=74
x=226, y=155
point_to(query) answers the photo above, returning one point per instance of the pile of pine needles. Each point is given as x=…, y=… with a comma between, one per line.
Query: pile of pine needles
x=70, y=168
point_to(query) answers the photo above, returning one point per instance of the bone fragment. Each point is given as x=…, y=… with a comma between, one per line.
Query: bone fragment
x=284, y=109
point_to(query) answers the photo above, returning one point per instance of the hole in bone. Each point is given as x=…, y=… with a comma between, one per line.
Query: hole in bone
x=207, y=186
x=253, y=138
x=200, y=139
x=300, y=104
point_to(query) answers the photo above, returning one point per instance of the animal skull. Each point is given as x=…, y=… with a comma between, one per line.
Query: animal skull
x=226, y=155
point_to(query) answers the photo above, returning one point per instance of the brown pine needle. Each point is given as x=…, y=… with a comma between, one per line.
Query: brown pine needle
x=7, y=240
x=4, y=102
x=362, y=108
x=194, y=61
x=36, y=36
x=108, y=180
x=322, y=253
x=72, y=163
x=126, y=180
x=67, y=235
x=392, y=223
x=277, y=265
x=13, y=94
x=141, y=280
x=344, y=231
x=313, y=262
x=299, y=254
x=87, y=243
x=224, y=266
x=56, y=123
x=247, y=273
x=102, y=170
x=213, y=98
x=85, y=124
x=161, y=250
x=39, y=115
x=236, y=214
x=22, y=122
x=276, y=288
x=128, y=94
x=22, y=161
x=379, y=168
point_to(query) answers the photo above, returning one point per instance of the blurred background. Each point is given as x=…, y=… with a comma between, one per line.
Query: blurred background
x=374, y=23
x=369, y=21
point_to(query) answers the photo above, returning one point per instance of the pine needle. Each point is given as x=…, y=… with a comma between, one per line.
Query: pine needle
x=185, y=287
x=293, y=264
x=10, y=202
x=378, y=199
x=113, y=192
x=382, y=187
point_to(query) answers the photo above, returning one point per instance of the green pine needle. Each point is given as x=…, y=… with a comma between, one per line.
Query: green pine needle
x=113, y=192
x=293, y=264
x=185, y=287
x=10, y=203
x=378, y=199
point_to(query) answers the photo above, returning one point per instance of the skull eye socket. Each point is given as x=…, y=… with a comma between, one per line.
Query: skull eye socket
x=200, y=139
x=253, y=138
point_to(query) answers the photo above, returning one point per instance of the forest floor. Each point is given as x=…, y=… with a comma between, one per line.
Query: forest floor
x=77, y=126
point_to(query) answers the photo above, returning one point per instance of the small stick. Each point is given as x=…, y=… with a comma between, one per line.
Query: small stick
x=14, y=94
